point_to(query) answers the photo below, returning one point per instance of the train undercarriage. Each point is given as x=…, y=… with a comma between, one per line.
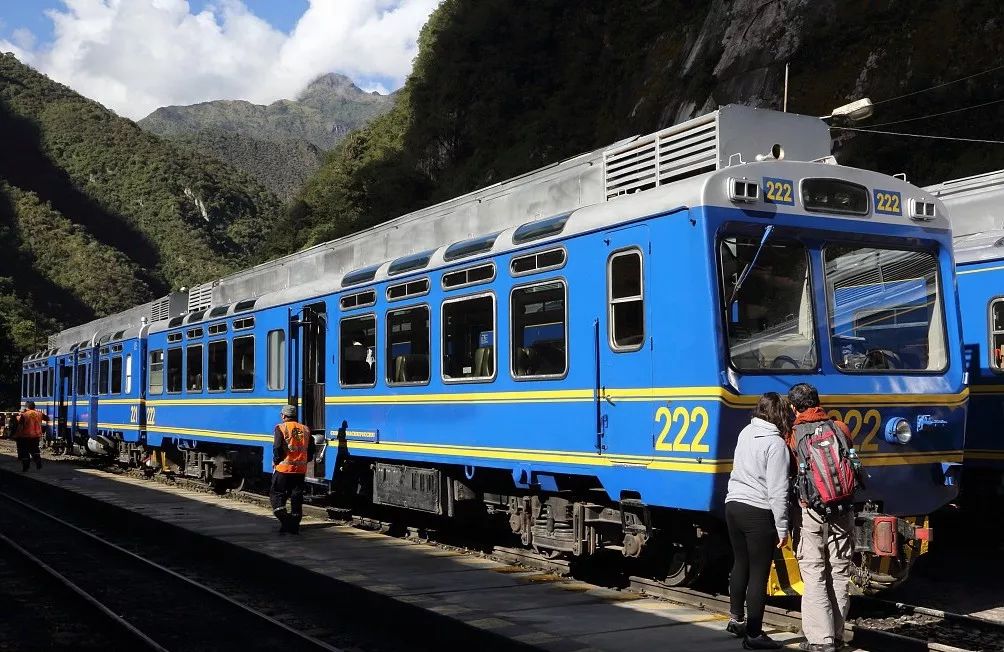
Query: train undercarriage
x=575, y=519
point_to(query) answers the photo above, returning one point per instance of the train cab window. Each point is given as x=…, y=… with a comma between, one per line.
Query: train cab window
x=276, y=360
x=174, y=359
x=217, y=365
x=408, y=346
x=103, y=375
x=885, y=309
x=243, y=363
x=997, y=335
x=116, y=380
x=625, y=294
x=767, y=303
x=193, y=368
x=156, y=382
x=128, y=373
x=469, y=339
x=357, y=337
x=82, y=389
x=539, y=346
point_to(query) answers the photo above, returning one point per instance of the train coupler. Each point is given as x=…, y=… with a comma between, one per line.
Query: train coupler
x=883, y=535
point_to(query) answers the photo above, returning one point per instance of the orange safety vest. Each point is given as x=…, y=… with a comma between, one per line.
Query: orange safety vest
x=296, y=437
x=29, y=425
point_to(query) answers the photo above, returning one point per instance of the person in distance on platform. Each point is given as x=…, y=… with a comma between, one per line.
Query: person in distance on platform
x=292, y=449
x=825, y=544
x=28, y=435
x=756, y=514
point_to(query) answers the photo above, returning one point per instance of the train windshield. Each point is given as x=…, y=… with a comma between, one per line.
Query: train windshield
x=885, y=309
x=770, y=324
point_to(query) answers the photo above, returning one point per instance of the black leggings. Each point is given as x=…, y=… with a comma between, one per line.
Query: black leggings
x=754, y=538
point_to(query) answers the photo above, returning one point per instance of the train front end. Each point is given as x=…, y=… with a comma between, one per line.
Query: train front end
x=844, y=279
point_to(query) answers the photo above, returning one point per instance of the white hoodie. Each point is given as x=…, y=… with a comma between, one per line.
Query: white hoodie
x=760, y=469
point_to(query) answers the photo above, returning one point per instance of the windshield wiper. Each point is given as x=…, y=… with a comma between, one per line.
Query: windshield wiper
x=749, y=268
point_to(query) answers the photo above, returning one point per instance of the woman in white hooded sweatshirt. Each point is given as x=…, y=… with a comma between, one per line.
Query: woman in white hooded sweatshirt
x=756, y=513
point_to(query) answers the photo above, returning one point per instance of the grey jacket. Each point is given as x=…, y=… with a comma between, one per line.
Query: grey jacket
x=760, y=472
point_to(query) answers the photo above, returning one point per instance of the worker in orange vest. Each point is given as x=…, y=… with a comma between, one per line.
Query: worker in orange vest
x=292, y=449
x=28, y=434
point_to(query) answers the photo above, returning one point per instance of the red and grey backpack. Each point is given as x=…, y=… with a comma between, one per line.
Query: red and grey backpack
x=827, y=473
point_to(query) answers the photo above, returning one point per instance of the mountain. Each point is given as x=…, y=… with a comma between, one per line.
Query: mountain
x=97, y=215
x=496, y=92
x=280, y=144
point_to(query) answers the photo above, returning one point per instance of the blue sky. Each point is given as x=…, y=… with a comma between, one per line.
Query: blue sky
x=134, y=56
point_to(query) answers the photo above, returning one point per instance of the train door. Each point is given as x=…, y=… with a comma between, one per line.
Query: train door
x=311, y=351
x=64, y=397
x=623, y=342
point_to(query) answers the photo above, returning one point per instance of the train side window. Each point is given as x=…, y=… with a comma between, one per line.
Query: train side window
x=128, y=373
x=539, y=333
x=357, y=337
x=193, y=368
x=103, y=377
x=24, y=384
x=469, y=339
x=408, y=346
x=156, y=372
x=243, y=363
x=117, y=375
x=626, y=296
x=82, y=379
x=997, y=335
x=276, y=360
x=174, y=358
x=218, y=366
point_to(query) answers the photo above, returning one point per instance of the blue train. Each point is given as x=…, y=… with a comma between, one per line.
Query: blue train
x=974, y=208
x=573, y=351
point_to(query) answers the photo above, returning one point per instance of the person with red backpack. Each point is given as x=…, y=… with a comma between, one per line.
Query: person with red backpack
x=827, y=474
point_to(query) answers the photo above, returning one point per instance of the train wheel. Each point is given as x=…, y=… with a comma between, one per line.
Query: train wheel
x=684, y=565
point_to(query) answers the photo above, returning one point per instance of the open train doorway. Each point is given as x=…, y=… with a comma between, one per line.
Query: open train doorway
x=313, y=332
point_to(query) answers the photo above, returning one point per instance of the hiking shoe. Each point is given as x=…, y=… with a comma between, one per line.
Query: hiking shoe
x=762, y=642
x=736, y=627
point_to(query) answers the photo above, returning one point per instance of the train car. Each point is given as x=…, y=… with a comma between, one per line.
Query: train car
x=574, y=352
x=974, y=210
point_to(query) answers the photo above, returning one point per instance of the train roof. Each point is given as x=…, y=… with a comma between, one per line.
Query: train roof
x=975, y=208
x=637, y=176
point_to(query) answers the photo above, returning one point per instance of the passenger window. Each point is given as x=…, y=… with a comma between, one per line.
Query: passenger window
x=193, y=368
x=174, y=358
x=103, y=377
x=24, y=384
x=277, y=360
x=128, y=374
x=627, y=301
x=243, y=366
x=408, y=346
x=82, y=380
x=357, y=337
x=218, y=366
x=538, y=331
x=117, y=375
x=997, y=335
x=469, y=338
x=156, y=372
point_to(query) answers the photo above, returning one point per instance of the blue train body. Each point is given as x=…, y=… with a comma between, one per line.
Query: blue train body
x=973, y=206
x=587, y=374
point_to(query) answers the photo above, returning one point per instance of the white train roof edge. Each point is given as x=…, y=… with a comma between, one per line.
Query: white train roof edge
x=975, y=208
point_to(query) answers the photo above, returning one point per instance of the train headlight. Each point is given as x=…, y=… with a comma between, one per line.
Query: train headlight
x=898, y=431
x=743, y=190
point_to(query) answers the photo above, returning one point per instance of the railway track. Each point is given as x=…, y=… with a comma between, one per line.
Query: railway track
x=154, y=606
x=876, y=624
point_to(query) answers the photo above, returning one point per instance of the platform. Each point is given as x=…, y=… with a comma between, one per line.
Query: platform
x=551, y=613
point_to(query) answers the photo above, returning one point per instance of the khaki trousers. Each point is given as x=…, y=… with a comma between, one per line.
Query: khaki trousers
x=824, y=560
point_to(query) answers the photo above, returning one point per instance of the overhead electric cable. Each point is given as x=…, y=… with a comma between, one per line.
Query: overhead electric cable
x=936, y=86
x=899, y=133
x=934, y=115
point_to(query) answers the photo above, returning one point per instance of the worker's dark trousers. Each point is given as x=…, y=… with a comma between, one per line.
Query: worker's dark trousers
x=287, y=486
x=27, y=450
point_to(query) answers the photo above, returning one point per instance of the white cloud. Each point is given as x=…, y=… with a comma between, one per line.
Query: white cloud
x=136, y=55
x=23, y=38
